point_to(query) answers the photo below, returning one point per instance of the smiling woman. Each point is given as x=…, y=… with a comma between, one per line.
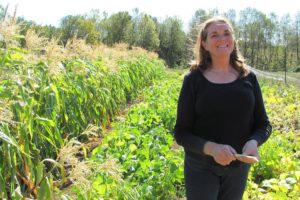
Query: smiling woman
x=220, y=116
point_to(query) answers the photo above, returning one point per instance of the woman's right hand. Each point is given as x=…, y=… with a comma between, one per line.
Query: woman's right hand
x=222, y=153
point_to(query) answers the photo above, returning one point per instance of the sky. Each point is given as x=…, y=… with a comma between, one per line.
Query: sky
x=51, y=11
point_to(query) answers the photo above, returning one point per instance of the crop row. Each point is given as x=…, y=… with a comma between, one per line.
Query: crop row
x=147, y=163
x=42, y=108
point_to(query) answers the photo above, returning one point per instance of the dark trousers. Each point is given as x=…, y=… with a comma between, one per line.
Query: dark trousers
x=215, y=182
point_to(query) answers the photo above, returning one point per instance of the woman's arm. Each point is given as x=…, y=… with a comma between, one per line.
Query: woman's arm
x=183, y=131
x=262, y=127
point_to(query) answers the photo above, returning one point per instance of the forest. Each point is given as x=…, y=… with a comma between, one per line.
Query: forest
x=267, y=41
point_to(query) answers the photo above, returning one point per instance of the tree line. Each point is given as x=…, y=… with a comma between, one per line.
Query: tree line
x=267, y=41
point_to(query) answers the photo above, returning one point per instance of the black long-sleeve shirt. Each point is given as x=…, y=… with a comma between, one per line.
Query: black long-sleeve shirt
x=225, y=113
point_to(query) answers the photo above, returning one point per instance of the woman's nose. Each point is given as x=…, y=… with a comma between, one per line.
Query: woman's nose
x=221, y=37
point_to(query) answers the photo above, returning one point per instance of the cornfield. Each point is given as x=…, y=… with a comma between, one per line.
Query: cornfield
x=45, y=101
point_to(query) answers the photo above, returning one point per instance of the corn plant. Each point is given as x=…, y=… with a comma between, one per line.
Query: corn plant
x=48, y=109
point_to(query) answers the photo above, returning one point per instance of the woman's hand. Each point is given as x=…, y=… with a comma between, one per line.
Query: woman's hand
x=222, y=154
x=250, y=148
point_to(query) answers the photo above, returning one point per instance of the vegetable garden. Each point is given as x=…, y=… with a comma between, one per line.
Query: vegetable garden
x=83, y=130
x=150, y=164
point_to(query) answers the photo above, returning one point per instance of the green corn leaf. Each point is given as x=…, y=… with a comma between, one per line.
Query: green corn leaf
x=44, y=190
x=3, y=193
x=9, y=140
x=45, y=121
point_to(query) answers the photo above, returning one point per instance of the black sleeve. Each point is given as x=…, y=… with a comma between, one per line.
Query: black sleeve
x=262, y=127
x=183, y=131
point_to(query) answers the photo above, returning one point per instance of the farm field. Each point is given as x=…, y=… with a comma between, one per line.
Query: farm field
x=140, y=160
x=87, y=109
x=85, y=130
x=47, y=105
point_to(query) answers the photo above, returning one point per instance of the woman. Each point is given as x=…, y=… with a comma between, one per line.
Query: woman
x=220, y=115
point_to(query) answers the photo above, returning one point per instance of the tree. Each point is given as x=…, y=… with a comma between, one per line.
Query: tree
x=251, y=33
x=287, y=35
x=297, y=27
x=48, y=31
x=69, y=27
x=147, y=34
x=199, y=17
x=231, y=16
x=172, y=42
x=271, y=38
x=113, y=29
x=88, y=31
x=80, y=27
x=2, y=12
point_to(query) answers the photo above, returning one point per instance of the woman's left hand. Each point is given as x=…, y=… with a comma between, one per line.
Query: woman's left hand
x=250, y=148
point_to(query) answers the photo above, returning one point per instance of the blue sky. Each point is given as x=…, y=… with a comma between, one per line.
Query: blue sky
x=50, y=12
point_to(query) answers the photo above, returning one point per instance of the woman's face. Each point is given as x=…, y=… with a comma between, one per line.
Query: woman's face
x=220, y=40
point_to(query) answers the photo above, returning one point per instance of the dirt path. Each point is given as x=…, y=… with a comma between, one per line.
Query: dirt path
x=276, y=77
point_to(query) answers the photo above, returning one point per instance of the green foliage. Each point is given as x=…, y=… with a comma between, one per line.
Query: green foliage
x=276, y=176
x=114, y=28
x=267, y=41
x=147, y=34
x=147, y=158
x=276, y=151
x=51, y=32
x=172, y=42
x=151, y=165
x=41, y=109
x=79, y=27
